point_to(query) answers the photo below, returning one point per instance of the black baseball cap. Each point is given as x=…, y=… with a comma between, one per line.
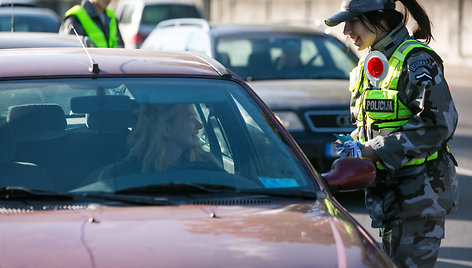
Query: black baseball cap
x=353, y=8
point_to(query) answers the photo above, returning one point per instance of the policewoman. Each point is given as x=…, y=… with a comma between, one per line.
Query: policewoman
x=94, y=20
x=404, y=122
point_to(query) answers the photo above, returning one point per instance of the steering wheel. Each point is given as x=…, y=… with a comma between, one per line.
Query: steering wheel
x=197, y=165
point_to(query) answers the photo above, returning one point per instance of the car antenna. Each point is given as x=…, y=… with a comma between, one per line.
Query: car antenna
x=94, y=66
x=12, y=17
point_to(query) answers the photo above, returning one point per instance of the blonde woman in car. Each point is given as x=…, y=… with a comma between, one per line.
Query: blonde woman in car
x=165, y=135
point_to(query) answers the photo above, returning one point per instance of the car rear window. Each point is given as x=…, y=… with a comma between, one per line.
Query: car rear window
x=30, y=23
x=153, y=14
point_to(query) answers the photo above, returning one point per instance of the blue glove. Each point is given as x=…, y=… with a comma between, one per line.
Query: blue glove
x=347, y=147
x=343, y=138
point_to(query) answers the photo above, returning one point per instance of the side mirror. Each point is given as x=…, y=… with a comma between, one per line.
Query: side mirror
x=349, y=174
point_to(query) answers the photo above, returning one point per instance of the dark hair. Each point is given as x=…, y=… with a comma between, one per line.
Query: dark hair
x=393, y=17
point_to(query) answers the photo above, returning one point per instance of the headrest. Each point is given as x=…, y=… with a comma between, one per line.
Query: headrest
x=105, y=112
x=101, y=103
x=7, y=144
x=37, y=121
x=109, y=120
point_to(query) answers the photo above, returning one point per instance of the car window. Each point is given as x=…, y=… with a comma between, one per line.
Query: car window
x=29, y=23
x=153, y=14
x=237, y=49
x=87, y=133
x=338, y=51
x=272, y=56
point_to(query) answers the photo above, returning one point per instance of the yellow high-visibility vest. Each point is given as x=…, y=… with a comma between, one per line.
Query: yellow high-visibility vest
x=388, y=111
x=91, y=28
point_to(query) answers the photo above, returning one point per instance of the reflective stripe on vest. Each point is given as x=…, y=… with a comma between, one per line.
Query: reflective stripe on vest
x=419, y=161
x=395, y=62
x=382, y=108
x=91, y=28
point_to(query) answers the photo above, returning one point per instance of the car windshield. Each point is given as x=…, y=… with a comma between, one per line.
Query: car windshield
x=275, y=56
x=115, y=135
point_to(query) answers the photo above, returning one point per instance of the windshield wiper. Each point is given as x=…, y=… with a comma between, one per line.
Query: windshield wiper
x=130, y=199
x=23, y=193
x=309, y=195
x=186, y=188
x=177, y=188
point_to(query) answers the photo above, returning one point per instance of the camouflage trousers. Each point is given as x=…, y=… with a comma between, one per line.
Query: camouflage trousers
x=415, y=242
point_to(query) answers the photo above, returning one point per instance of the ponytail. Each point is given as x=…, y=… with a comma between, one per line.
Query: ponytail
x=392, y=18
x=422, y=29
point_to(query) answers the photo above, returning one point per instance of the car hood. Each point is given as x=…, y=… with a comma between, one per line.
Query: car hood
x=295, y=235
x=324, y=92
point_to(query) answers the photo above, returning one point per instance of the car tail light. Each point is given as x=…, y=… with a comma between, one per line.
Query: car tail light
x=138, y=38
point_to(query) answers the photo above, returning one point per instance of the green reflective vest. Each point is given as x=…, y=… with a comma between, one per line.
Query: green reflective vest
x=380, y=110
x=91, y=28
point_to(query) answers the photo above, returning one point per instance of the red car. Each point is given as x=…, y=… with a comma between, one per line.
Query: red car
x=134, y=158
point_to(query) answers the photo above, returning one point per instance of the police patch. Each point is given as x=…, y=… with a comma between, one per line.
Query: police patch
x=379, y=105
x=428, y=63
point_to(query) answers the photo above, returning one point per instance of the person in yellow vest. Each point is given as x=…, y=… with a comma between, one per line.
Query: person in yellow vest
x=403, y=125
x=94, y=20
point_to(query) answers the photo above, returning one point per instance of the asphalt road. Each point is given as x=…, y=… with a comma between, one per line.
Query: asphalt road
x=456, y=248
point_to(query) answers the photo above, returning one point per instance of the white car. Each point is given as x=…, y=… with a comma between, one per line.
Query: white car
x=138, y=18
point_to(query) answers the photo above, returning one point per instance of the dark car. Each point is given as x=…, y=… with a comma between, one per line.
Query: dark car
x=28, y=19
x=138, y=18
x=19, y=3
x=38, y=39
x=301, y=73
x=135, y=158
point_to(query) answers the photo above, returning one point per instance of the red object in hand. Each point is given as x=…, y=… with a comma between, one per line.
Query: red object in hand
x=375, y=67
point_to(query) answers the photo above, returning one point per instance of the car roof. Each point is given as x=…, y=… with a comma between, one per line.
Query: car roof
x=177, y=2
x=37, y=39
x=170, y=1
x=158, y=2
x=28, y=11
x=63, y=62
x=234, y=29
x=231, y=29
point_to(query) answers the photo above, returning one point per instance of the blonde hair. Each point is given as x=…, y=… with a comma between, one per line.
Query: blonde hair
x=147, y=141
